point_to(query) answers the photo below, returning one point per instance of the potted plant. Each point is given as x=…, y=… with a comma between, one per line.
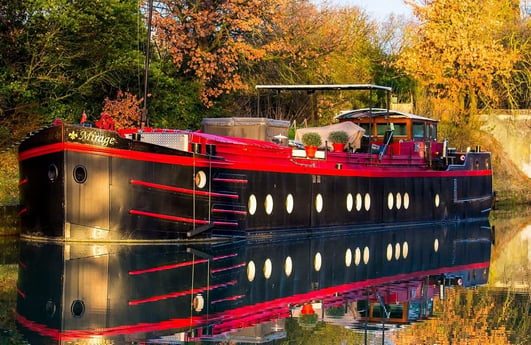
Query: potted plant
x=311, y=141
x=339, y=139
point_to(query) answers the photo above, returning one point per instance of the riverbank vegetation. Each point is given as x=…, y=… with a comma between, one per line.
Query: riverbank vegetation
x=452, y=60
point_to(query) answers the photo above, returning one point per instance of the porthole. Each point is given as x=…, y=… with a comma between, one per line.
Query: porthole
x=389, y=252
x=198, y=302
x=437, y=200
x=398, y=201
x=53, y=172
x=268, y=204
x=251, y=204
x=80, y=174
x=200, y=179
x=406, y=201
x=317, y=262
x=289, y=203
x=350, y=202
x=77, y=308
x=357, y=256
x=318, y=202
x=367, y=202
x=390, y=201
x=251, y=271
x=397, y=251
x=288, y=266
x=405, y=250
x=268, y=268
x=359, y=202
x=366, y=254
x=436, y=245
x=348, y=257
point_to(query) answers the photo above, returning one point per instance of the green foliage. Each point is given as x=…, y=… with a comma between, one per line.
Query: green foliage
x=69, y=57
x=340, y=137
x=311, y=139
x=175, y=101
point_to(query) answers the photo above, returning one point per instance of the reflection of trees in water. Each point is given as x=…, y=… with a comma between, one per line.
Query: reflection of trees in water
x=474, y=316
x=322, y=333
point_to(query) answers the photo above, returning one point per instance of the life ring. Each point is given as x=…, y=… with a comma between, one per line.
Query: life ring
x=462, y=158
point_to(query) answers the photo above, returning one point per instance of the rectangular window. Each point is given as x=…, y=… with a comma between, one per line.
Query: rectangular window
x=400, y=129
x=418, y=130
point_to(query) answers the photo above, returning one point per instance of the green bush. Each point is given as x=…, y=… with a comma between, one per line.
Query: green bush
x=311, y=139
x=340, y=137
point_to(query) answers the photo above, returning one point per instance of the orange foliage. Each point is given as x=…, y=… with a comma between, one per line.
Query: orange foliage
x=212, y=40
x=457, y=51
x=125, y=110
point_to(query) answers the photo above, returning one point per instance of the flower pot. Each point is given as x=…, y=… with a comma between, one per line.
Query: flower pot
x=310, y=151
x=338, y=147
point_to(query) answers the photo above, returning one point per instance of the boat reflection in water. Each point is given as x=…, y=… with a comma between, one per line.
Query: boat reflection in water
x=243, y=290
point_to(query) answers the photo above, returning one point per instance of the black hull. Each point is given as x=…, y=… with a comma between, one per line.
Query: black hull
x=76, y=190
x=124, y=292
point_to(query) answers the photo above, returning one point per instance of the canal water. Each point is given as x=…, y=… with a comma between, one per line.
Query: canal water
x=465, y=283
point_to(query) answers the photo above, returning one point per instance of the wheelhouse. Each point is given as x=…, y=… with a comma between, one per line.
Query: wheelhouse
x=405, y=127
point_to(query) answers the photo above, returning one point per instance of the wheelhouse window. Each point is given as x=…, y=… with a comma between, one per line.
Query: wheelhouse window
x=400, y=129
x=418, y=130
x=432, y=127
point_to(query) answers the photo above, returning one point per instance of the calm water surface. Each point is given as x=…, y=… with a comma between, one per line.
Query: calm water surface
x=417, y=285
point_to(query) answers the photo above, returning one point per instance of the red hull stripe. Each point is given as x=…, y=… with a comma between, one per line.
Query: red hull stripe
x=182, y=190
x=181, y=264
x=181, y=293
x=227, y=268
x=217, y=210
x=229, y=180
x=255, y=163
x=168, y=217
x=225, y=256
x=167, y=267
x=232, y=298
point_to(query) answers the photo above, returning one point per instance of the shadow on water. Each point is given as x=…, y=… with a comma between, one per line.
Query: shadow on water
x=345, y=288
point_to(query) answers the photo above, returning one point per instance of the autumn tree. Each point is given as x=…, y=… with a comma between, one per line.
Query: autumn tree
x=211, y=40
x=125, y=110
x=458, y=54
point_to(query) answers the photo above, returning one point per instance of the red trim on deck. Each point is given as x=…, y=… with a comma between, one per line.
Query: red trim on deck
x=250, y=160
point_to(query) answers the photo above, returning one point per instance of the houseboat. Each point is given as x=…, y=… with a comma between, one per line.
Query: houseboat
x=243, y=176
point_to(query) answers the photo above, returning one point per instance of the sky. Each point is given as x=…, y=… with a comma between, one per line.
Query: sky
x=378, y=9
